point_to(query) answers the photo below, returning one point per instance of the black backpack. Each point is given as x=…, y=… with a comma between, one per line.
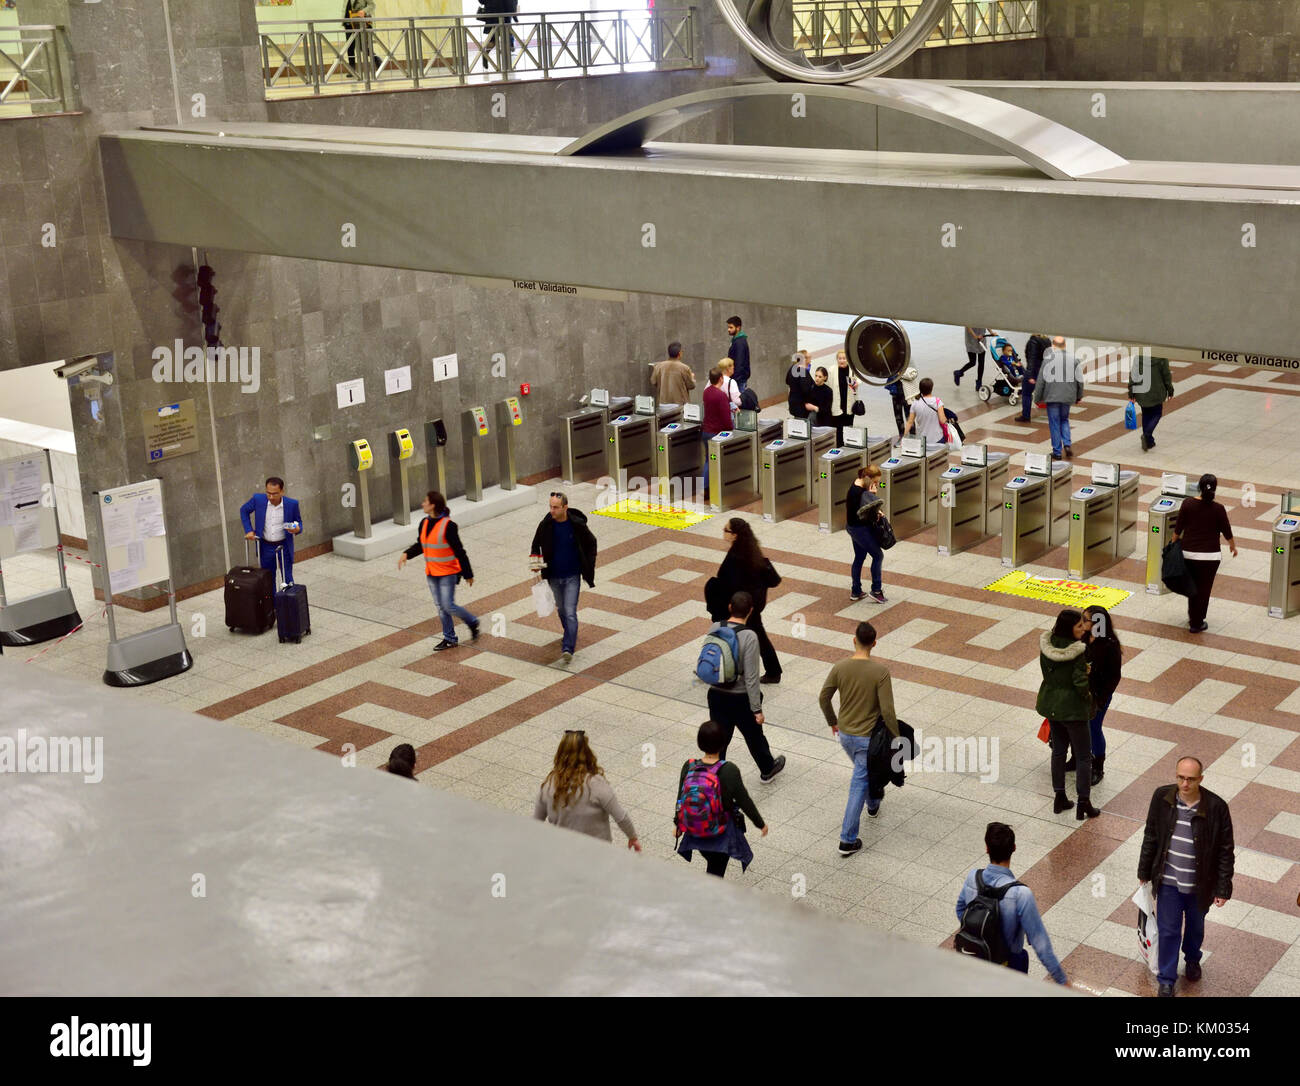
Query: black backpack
x=749, y=400
x=980, y=935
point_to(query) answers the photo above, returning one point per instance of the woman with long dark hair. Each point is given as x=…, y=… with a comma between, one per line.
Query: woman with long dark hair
x=576, y=795
x=745, y=569
x=1105, y=656
x=1201, y=521
x=1065, y=699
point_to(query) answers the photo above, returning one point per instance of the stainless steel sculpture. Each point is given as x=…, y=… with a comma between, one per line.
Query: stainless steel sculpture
x=756, y=31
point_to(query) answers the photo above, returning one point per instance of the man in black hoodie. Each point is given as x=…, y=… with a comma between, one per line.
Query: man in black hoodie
x=568, y=556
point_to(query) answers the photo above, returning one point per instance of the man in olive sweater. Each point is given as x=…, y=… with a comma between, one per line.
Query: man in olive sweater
x=1150, y=384
x=866, y=698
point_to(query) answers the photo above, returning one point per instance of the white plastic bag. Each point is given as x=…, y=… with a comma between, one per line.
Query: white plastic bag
x=544, y=599
x=1148, y=935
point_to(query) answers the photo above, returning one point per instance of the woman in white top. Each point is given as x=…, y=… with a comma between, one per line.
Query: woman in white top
x=927, y=411
x=729, y=385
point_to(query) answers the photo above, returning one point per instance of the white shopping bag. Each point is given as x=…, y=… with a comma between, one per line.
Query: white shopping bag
x=1148, y=936
x=544, y=599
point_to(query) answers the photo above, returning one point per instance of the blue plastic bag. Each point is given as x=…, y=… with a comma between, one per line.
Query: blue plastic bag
x=1130, y=416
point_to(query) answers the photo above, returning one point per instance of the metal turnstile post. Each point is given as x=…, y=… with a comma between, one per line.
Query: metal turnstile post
x=731, y=470
x=435, y=455
x=836, y=470
x=400, y=450
x=361, y=459
x=1284, y=560
x=1161, y=516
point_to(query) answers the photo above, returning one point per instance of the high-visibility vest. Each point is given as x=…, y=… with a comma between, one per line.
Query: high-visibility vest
x=439, y=558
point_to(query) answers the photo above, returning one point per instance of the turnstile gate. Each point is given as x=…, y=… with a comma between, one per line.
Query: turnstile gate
x=732, y=482
x=970, y=493
x=1103, y=520
x=679, y=453
x=632, y=441
x=1035, y=509
x=1284, y=564
x=1161, y=516
x=582, y=436
x=909, y=485
x=785, y=479
x=837, y=468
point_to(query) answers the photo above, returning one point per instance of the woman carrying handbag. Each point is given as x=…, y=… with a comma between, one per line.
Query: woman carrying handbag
x=863, y=513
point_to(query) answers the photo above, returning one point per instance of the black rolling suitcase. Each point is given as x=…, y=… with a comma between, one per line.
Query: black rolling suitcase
x=292, y=618
x=250, y=597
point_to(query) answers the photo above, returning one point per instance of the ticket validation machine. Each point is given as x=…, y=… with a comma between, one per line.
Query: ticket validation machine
x=474, y=432
x=836, y=470
x=731, y=469
x=966, y=492
x=1284, y=560
x=630, y=444
x=361, y=460
x=785, y=479
x=401, y=448
x=821, y=440
x=510, y=416
x=435, y=455
x=1035, y=509
x=582, y=436
x=765, y=431
x=679, y=454
x=910, y=485
x=1174, y=490
x=1103, y=520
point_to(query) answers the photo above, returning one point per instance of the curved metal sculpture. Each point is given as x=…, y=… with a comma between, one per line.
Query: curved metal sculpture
x=1059, y=152
x=754, y=29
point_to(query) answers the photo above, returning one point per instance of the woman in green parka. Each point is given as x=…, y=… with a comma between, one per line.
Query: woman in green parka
x=1065, y=699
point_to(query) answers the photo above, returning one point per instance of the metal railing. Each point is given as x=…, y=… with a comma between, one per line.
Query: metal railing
x=324, y=56
x=31, y=70
x=829, y=28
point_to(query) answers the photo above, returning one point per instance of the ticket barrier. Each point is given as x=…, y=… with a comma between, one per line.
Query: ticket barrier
x=401, y=449
x=1284, y=565
x=435, y=455
x=1174, y=490
x=786, y=472
x=632, y=440
x=821, y=441
x=732, y=482
x=361, y=460
x=1103, y=520
x=765, y=432
x=510, y=416
x=582, y=436
x=970, y=494
x=1036, y=509
x=679, y=453
x=909, y=485
x=836, y=470
x=474, y=431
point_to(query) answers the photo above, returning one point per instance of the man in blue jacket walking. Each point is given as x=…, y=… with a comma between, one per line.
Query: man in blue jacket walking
x=275, y=521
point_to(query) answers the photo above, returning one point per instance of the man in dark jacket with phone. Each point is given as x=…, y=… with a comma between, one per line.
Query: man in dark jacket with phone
x=566, y=551
x=1187, y=856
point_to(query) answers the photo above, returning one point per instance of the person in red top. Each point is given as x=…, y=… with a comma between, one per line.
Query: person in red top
x=1201, y=521
x=717, y=417
x=445, y=563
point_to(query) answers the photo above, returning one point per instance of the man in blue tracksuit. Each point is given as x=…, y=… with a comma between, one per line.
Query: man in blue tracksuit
x=738, y=352
x=275, y=521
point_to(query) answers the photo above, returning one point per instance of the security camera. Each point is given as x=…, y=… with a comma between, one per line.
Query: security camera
x=77, y=366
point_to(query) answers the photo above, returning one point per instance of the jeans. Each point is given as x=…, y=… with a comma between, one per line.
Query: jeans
x=1150, y=417
x=266, y=555
x=1026, y=398
x=716, y=862
x=1203, y=576
x=565, y=590
x=856, y=747
x=976, y=360
x=732, y=711
x=1072, y=733
x=1094, y=729
x=865, y=543
x=766, y=650
x=1171, y=907
x=1058, y=422
x=443, y=590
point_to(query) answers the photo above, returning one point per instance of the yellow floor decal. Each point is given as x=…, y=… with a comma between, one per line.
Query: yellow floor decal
x=1067, y=593
x=653, y=514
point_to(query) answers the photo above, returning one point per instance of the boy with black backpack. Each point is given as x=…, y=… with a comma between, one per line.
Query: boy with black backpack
x=731, y=664
x=997, y=913
x=710, y=799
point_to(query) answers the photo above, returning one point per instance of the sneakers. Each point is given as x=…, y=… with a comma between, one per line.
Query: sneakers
x=1193, y=971
x=875, y=813
x=854, y=597
x=777, y=766
x=566, y=657
x=444, y=644
x=879, y=597
x=473, y=632
x=956, y=378
x=851, y=848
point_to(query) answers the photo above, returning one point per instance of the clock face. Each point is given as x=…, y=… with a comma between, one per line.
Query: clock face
x=878, y=349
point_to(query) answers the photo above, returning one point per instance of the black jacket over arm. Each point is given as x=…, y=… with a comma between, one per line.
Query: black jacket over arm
x=416, y=549
x=544, y=544
x=1212, y=837
x=1103, y=677
x=730, y=579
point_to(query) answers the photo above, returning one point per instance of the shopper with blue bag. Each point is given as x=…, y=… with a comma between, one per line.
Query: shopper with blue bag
x=1149, y=386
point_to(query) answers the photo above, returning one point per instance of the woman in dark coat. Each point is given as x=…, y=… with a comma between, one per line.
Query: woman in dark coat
x=1200, y=523
x=1065, y=699
x=1105, y=659
x=745, y=569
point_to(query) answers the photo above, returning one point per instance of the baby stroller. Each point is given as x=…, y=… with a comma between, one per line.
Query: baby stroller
x=1009, y=373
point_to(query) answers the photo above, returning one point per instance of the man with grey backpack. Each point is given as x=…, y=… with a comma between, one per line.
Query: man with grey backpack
x=730, y=663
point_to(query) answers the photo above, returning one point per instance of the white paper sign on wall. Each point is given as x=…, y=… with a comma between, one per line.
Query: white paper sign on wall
x=445, y=367
x=398, y=380
x=351, y=393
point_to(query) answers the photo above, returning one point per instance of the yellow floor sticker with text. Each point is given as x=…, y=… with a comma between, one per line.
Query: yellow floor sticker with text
x=1067, y=593
x=654, y=514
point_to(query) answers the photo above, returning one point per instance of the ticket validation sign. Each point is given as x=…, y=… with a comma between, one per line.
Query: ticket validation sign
x=170, y=430
x=1060, y=591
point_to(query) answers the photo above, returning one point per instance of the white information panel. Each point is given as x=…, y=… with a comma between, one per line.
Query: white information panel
x=351, y=393
x=135, y=537
x=445, y=367
x=26, y=523
x=398, y=380
x=1036, y=463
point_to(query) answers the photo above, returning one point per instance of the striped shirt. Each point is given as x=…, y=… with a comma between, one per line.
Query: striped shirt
x=1180, y=864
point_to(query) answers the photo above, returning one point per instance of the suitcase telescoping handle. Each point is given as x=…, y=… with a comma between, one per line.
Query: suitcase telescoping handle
x=279, y=564
x=248, y=551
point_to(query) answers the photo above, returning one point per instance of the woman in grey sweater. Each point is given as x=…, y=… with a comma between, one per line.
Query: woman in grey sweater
x=576, y=795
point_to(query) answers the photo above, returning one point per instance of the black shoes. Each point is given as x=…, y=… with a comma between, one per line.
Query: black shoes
x=1063, y=803
x=1085, y=809
x=770, y=680
x=1166, y=991
x=1098, y=767
x=1200, y=627
x=777, y=766
x=956, y=378
x=1069, y=452
x=473, y=632
x=1145, y=446
x=873, y=814
x=444, y=644
x=850, y=848
x=1193, y=970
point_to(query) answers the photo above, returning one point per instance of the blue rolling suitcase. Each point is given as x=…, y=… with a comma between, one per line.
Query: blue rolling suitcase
x=292, y=617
